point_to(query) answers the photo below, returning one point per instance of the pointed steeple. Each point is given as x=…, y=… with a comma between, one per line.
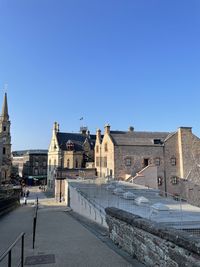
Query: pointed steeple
x=4, y=113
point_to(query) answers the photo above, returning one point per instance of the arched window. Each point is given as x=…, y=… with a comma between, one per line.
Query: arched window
x=160, y=181
x=68, y=163
x=76, y=163
x=106, y=147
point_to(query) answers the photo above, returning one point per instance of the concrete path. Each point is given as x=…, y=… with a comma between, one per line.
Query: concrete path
x=60, y=239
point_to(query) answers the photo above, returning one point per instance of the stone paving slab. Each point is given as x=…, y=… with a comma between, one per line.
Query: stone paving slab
x=58, y=234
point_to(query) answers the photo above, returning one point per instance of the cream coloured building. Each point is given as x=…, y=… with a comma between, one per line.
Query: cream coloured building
x=128, y=155
x=68, y=151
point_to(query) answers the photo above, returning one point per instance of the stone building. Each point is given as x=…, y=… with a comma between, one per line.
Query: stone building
x=129, y=155
x=5, y=143
x=30, y=164
x=69, y=151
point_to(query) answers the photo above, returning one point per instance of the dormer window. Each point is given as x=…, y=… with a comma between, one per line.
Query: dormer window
x=157, y=141
x=97, y=149
x=70, y=145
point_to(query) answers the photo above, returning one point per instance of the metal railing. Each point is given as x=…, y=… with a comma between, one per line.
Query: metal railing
x=35, y=222
x=8, y=252
x=164, y=208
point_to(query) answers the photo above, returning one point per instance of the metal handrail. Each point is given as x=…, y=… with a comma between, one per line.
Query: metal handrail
x=35, y=222
x=8, y=252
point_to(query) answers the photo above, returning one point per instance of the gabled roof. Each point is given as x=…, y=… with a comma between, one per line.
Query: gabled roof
x=137, y=138
x=76, y=138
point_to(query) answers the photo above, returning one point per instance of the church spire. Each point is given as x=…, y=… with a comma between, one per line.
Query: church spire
x=4, y=113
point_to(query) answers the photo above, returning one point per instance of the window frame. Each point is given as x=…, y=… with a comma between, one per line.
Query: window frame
x=128, y=161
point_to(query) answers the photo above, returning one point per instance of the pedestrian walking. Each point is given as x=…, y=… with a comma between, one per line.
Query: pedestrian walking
x=27, y=193
x=25, y=200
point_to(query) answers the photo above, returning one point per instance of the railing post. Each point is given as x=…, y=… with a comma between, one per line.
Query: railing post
x=34, y=227
x=9, y=258
x=22, y=252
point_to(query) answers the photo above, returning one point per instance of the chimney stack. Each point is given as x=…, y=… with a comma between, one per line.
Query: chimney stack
x=131, y=129
x=107, y=129
x=98, y=134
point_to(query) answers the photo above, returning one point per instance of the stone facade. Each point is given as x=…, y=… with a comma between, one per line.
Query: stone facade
x=176, y=155
x=69, y=150
x=30, y=162
x=5, y=143
x=80, y=173
x=150, y=243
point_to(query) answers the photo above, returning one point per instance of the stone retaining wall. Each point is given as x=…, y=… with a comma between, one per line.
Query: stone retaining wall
x=150, y=243
x=8, y=204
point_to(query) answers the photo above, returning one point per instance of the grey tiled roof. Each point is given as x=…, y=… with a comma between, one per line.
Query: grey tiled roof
x=77, y=138
x=137, y=138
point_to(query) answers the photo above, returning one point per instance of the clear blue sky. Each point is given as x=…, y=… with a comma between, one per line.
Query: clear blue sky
x=132, y=62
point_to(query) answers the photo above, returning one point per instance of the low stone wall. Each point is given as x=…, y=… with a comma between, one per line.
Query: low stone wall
x=8, y=204
x=150, y=243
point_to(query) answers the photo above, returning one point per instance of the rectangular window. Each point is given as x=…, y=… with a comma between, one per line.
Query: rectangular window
x=105, y=162
x=157, y=161
x=97, y=149
x=174, y=180
x=97, y=161
x=4, y=150
x=128, y=162
x=173, y=161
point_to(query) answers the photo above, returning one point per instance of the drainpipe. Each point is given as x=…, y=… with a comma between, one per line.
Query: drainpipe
x=165, y=179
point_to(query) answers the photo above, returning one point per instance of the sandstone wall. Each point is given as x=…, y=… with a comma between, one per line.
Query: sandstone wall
x=150, y=243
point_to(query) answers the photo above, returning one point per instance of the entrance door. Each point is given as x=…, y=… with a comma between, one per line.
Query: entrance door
x=146, y=162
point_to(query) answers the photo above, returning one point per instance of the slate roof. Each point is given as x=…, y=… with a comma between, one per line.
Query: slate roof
x=137, y=138
x=77, y=138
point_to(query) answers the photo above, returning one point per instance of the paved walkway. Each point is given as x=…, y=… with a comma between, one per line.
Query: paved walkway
x=60, y=239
